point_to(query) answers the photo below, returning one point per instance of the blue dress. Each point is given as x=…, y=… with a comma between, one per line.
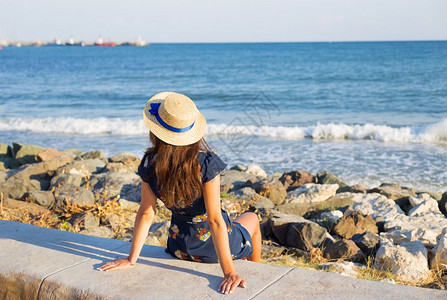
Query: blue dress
x=189, y=231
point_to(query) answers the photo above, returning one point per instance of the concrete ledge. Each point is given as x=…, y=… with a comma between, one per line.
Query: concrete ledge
x=42, y=263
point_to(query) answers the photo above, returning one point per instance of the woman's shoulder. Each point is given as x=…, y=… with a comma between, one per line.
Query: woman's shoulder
x=210, y=165
x=145, y=167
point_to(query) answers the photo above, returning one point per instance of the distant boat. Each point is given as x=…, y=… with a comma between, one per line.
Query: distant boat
x=101, y=43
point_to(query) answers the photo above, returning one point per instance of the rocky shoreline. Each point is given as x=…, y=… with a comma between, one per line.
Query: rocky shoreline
x=340, y=228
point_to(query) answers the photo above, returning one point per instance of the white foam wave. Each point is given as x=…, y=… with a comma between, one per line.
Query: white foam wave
x=435, y=133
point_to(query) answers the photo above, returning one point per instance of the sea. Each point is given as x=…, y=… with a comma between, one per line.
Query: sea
x=369, y=112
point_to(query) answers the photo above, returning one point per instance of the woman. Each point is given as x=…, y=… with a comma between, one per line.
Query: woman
x=182, y=171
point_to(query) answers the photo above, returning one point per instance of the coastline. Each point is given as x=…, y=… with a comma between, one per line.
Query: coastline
x=308, y=220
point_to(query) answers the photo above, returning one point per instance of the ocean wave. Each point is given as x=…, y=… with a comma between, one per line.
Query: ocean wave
x=434, y=133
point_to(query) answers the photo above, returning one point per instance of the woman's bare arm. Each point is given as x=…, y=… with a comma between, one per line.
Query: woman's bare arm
x=143, y=221
x=219, y=234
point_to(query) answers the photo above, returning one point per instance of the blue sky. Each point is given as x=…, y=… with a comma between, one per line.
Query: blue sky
x=224, y=20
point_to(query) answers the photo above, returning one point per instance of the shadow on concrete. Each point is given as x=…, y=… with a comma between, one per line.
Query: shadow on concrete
x=96, y=248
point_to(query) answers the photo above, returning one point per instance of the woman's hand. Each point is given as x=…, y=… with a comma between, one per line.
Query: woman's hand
x=117, y=264
x=231, y=282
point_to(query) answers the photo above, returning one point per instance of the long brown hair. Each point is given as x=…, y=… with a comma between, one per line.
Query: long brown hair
x=177, y=171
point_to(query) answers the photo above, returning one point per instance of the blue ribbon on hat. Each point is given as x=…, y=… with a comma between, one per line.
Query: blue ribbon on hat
x=154, y=111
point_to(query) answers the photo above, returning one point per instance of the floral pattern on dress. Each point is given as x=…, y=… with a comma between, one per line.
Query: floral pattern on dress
x=229, y=229
x=203, y=234
x=199, y=218
x=180, y=254
x=174, y=231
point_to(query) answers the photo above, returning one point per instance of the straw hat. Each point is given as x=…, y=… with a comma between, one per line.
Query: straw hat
x=174, y=118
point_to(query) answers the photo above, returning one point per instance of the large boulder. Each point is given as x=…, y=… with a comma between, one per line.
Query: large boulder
x=310, y=193
x=84, y=220
x=354, y=223
x=127, y=159
x=428, y=205
x=270, y=187
x=249, y=196
x=94, y=165
x=74, y=195
x=256, y=171
x=326, y=177
x=40, y=170
x=299, y=209
x=408, y=261
x=368, y=242
x=49, y=154
x=66, y=178
x=231, y=180
x=394, y=191
x=375, y=205
x=279, y=225
x=102, y=231
x=439, y=252
x=30, y=208
x=96, y=154
x=344, y=249
x=16, y=188
x=294, y=179
x=43, y=198
x=110, y=185
x=26, y=155
x=306, y=235
x=424, y=228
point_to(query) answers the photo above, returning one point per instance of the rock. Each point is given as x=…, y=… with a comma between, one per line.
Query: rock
x=263, y=204
x=255, y=170
x=116, y=167
x=408, y=261
x=75, y=152
x=326, y=177
x=74, y=195
x=39, y=170
x=375, y=205
x=354, y=223
x=2, y=176
x=49, y=154
x=428, y=206
x=388, y=280
x=97, y=154
x=5, y=151
x=305, y=235
x=394, y=191
x=294, y=179
x=16, y=147
x=248, y=196
x=439, y=252
x=331, y=216
x=310, y=193
x=153, y=241
x=345, y=268
x=269, y=187
x=298, y=209
x=232, y=180
x=31, y=208
x=94, y=165
x=442, y=204
x=280, y=223
x=129, y=205
x=129, y=160
x=359, y=188
x=344, y=249
x=76, y=168
x=239, y=168
x=113, y=184
x=16, y=188
x=424, y=228
x=99, y=232
x=5, y=163
x=27, y=154
x=415, y=201
x=84, y=220
x=368, y=242
x=42, y=198
x=66, y=178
